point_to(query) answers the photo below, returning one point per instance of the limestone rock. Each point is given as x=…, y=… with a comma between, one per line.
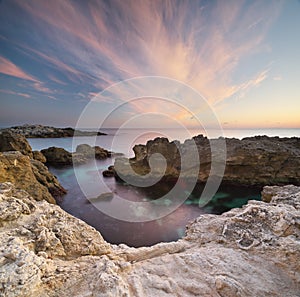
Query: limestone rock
x=258, y=160
x=13, y=142
x=29, y=175
x=253, y=251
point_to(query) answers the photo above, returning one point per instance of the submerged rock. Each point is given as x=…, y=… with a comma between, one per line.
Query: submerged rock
x=253, y=251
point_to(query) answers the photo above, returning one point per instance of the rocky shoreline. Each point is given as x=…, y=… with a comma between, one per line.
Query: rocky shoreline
x=252, y=161
x=249, y=251
x=253, y=251
x=40, y=131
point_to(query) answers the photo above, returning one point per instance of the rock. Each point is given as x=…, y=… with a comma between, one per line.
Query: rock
x=29, y=175
x=92, y=152
x=104, y=196
x=258, y=161
x=47, y=179
x=57, y=156
x=253, y=251
x=37, y=155
x=13, y=142
x=40, y=131
x=110, y=172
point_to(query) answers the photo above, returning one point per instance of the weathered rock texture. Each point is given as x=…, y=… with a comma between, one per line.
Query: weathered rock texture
x=18, y=164
x=40, y=131
x=13, y=142
x=253, y=251
x=30, y=175
x=258, y=160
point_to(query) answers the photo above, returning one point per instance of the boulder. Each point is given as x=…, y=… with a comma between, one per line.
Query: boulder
x=57, y=156
x=13, y=142
x=92, y=152
x=253, y=251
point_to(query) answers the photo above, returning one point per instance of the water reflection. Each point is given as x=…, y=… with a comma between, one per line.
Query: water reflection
x=168, y=228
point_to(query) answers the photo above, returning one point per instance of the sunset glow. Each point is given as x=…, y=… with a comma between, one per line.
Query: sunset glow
x=242, y=56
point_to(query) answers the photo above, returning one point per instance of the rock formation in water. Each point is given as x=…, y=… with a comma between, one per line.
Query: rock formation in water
x=253, y=251
x=18, y=166
x=40, y=131
x=59, y=157
x=258, y=160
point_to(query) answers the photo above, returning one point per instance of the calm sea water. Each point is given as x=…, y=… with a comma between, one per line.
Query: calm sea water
x=168, y=228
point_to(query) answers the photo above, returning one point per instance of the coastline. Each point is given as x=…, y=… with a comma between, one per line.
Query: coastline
x=48, y=252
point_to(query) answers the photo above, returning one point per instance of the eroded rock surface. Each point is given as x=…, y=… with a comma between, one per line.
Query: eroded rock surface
x=258, y=160
x=253, y=251
x=25, y=168
x=13, y=142
x=30, y=175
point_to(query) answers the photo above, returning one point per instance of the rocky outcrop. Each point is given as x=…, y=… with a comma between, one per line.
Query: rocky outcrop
x=30, y=175
x=14, y=142
x=40, y=131
x=258, y=160
x=57, y=156
x=22, y=166
x=253, y=251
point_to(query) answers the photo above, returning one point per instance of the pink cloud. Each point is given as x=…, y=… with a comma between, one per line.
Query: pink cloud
x=9, y=68
x=10, y=92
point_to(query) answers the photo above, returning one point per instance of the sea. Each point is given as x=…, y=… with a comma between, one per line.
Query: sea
x=164, y=229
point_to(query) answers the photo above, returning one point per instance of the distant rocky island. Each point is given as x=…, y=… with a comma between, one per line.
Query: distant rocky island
x=40, y=131
x=249, y=251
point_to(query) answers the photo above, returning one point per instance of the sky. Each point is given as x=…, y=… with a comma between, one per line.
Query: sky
x=243, y=57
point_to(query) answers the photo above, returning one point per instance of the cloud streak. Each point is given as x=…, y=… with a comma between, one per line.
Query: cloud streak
x=9, y=68
x=186, y=40
x=99, y=43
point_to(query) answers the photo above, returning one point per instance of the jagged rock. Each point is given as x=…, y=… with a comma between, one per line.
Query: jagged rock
x=13, y=142
x=253, y=251
x=258, y=160
x=57, y=156
x=29, y=175
x=37, y=155
x=40, y=131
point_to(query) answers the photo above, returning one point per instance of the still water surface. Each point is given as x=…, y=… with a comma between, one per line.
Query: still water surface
x=168, y=228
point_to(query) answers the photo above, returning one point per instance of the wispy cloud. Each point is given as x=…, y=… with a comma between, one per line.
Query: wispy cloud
x=9, y=68
x=10, y=92
x=99, y=43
